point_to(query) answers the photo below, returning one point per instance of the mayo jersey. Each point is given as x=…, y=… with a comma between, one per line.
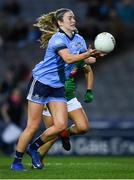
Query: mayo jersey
x=53, y=70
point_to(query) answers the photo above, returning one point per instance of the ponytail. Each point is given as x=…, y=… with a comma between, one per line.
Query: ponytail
x=48, y=25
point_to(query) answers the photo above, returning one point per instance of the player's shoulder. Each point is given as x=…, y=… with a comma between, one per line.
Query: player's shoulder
x=58, y=35
x=57, y=38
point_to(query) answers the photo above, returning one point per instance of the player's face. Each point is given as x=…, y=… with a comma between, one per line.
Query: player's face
x=69, y=22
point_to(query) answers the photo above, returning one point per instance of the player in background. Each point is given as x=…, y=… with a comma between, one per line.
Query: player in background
x=75, y=111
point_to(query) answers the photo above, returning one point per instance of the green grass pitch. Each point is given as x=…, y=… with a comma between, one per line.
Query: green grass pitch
x=72, y=167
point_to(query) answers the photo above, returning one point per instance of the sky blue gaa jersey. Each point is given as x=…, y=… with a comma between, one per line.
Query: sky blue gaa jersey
x=53, y=70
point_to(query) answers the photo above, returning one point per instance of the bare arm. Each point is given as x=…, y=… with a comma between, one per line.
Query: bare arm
x=90, y=80
x=70, y=58
x=89, y=76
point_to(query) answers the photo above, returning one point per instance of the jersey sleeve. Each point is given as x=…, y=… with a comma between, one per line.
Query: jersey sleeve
x=57, y=43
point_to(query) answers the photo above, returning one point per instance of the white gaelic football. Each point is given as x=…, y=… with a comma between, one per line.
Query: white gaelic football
x=104, y=42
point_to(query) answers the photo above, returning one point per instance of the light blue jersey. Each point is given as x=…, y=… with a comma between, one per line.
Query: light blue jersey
x=53, y=70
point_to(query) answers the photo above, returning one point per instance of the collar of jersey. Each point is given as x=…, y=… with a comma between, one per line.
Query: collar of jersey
x=60, y=30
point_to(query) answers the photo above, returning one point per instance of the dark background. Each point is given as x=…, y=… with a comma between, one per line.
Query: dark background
x=111, y=114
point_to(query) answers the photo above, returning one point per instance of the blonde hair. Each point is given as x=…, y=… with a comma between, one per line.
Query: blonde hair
x=48, y=25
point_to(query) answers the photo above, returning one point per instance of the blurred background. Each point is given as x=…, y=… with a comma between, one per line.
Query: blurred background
x=111, y=114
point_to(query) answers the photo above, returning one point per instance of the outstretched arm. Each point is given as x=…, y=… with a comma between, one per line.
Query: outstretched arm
x=70, y=58
x=90, y=80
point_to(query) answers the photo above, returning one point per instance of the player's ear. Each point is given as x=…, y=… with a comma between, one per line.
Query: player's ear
x=60, y=23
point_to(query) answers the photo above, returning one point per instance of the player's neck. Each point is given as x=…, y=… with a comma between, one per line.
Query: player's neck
x=68, y=32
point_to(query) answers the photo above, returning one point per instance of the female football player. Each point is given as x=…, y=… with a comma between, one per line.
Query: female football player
x=64, y=46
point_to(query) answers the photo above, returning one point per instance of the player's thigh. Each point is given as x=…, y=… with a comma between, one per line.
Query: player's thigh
x=34, y=113
x=59, y=113
x=78, y=116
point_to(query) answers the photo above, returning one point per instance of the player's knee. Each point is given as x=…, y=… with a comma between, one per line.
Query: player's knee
x=83, y=129
x=61, y=126
x=33, y=128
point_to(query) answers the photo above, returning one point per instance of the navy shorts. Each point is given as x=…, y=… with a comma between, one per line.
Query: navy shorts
x=43, y=94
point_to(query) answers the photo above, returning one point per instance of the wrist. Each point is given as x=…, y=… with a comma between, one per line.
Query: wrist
x=87, y=54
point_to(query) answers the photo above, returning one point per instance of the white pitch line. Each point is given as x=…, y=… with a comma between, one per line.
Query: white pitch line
x=77, y=164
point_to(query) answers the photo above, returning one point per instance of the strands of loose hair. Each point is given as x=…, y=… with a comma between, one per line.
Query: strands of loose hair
x=48, y=26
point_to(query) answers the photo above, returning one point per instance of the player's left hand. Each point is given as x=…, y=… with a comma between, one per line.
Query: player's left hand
x=100, y=54
x=88, y=96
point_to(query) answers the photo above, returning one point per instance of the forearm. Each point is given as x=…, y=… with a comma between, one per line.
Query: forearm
x=71, y=58
x=75, y=58
x=89, y=76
